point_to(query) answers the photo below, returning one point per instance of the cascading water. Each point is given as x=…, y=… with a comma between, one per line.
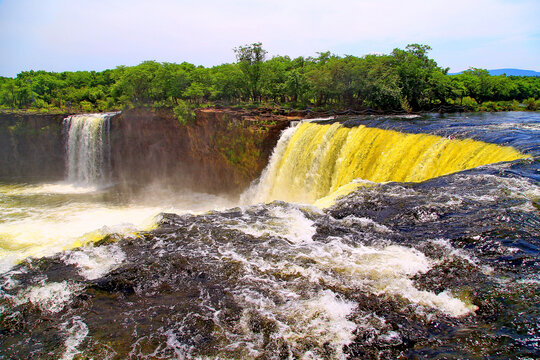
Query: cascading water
x=314, y=161
x=88, y=149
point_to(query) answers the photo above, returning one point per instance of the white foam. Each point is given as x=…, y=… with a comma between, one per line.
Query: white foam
x=288, y=223
x=517, y=188
x=352, y=220
x=387, y=270
x=530, y=280
x=391, y=337
x=75, y=336
x=54, y=188
x=47, y=231
x=451, y=251
x=512, y=126
x=94, y=262
x=323, y=319
x=344, y=264
x=51, y=297
x=443, y=301
x=49, y=224
x=181, y=351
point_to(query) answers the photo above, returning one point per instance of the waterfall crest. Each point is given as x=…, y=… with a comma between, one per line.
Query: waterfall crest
x=312, y=162
x=88, y=149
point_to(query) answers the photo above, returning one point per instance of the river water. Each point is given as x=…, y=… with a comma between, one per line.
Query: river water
x=443, y=267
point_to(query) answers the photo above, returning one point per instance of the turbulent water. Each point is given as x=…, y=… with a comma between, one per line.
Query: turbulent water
x=45, y=218
x=411, y=265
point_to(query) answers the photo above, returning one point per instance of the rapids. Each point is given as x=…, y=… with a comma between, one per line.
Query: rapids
x=435, y=256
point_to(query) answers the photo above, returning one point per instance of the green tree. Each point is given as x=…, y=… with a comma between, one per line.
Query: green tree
x=478, y=84
x=319, y=78
x=378, y=83
x=136, y=82
x=229, y=83
x=250, y=59
x=414, y=69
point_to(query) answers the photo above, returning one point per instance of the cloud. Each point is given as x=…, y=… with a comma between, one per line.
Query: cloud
x=67, y=35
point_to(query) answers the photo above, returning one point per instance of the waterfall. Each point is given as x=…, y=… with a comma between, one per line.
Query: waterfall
x=88, y=148
x=314, y=162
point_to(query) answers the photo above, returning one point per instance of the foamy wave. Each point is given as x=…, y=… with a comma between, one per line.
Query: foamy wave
x=75, y=335
x=288, y=223
x=94, y=262
x=51, y=297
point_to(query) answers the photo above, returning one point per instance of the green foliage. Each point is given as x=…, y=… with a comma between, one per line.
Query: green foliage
x=184, y=112
x=250, y=60
x=403, y=80
x=86, y=106
x=40, y=104
x=415, y=71
x=532, y=104
x=406, y=106
x=469, y=104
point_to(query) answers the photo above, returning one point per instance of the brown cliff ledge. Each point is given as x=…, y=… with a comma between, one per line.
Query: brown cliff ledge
x=221, y=151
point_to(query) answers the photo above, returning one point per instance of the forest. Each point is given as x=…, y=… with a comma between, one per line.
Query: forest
x=404, y=80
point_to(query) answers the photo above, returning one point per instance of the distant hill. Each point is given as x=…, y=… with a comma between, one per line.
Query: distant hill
x=509, y=72
x=514, y=72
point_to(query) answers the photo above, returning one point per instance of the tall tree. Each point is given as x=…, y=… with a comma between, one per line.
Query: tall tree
x=414, y=68
x=250, y=59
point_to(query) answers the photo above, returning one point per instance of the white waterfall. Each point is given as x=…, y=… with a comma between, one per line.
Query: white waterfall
x=88, y=149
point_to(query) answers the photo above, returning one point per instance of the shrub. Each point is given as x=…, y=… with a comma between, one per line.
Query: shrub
x=469, y=104
x=532, y=104
x=86, y=106
x=40, y=104
x=490, y=106
x=183, y=112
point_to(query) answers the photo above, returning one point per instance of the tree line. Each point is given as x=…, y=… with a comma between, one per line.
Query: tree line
x=406, y=79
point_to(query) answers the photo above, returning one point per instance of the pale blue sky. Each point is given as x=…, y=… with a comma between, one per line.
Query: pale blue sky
x=69, y=35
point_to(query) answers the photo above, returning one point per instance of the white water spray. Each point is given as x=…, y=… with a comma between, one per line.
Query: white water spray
x=88, y=149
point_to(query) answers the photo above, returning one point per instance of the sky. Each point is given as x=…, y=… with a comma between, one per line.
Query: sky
x=71, y=35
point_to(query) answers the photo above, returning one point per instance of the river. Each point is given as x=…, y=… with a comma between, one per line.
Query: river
x=371, y=238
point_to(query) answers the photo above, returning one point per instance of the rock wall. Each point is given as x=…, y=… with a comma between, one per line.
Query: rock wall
x=221, y=151
x=31, y=146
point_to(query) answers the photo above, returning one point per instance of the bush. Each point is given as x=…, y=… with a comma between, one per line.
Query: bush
x=183, y=112
x=40, y=104
x=489, y=106
x=406, y=106
x=509, y=105
x=469, y=104
x=86, y=106
x=532, y=104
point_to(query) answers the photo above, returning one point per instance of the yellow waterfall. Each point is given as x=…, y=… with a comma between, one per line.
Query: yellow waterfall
x=316, y=163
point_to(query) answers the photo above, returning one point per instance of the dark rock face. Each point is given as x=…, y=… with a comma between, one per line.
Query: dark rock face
x=31, y=146
x=222, y=151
